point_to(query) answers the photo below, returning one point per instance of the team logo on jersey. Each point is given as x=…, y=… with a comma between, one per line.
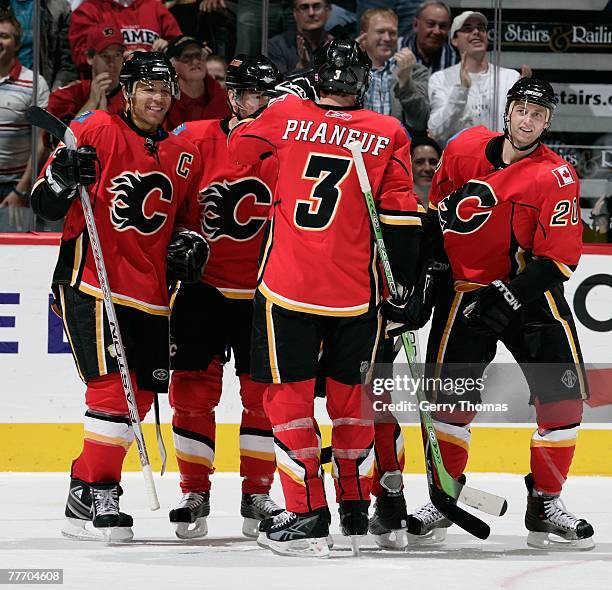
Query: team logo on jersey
x=221, y=202
x=467, y=209
x=563, y=175
x=134, y=195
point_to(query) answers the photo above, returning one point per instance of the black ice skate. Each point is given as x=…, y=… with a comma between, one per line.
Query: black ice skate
x=255, y=508
x=389, y=521
x=189, y=517
x=427, y=526
x=546, y=515
x=354, y=521
x=300, y=535
x=92, y=513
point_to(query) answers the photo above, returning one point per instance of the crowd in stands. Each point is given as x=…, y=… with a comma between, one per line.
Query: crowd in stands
x=430, y=67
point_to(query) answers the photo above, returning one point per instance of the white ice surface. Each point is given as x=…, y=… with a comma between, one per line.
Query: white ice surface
x=31, y=512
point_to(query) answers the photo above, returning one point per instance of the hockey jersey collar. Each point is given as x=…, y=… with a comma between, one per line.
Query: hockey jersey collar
x=330, y=107
x=156, y=136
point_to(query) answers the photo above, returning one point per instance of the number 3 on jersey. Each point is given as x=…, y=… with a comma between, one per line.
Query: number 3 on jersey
x=318, y=211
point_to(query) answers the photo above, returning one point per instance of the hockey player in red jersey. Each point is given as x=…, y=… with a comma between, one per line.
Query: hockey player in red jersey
x=507, y=210
x=212, y=318
x=319, y=287
x=143, y=185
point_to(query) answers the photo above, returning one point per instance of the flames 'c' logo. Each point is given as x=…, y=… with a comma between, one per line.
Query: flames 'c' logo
x=221, y=202
x=132, y=192
x=467, y=209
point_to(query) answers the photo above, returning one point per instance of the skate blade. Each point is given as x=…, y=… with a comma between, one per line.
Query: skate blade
x=355, y=539
x=301, y=548
x=393, y=540
x=250, y=528
x=263, y=541
x=553, y=542
x=433, y=537
x=191, y=530
x=83, y=530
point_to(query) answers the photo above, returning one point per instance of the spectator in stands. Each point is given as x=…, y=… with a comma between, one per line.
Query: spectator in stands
x=216, y=67
x=202, y=97
x=16, y=95
x=55, y=62
x=429, y=37
x=292, y=51
x=404, y=9
x=463, y=95
x=399, y=84
x=425, y=154
x=105, y=50
x=145, y=24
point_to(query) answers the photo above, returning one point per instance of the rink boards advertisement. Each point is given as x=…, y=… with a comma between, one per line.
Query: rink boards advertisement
x=42, y=396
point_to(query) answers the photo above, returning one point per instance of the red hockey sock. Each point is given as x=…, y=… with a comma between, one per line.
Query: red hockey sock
x=194, y=396
x=352, y=440
x=388, y=450
x=553, y=444
x=454, y=444
x=107, y=434
x=290, y=408
x=257, y=460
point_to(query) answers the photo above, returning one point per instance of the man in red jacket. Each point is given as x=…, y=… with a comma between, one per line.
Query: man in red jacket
x=202, y=97
x=105, y=50
x=146, y=25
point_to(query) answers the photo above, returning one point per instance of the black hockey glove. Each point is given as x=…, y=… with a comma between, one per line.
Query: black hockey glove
x=300, y=86
x=70, y=168
x=187, y=256
x=413, y=312
x=493, y=310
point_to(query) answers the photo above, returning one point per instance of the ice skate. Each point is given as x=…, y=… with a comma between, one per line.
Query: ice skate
x=354, y=521
x=255, y=508
x=551, y=526
x=189, y=517
x=427, y=526
x=106, y=524
x=298, y=535
x=389, y=521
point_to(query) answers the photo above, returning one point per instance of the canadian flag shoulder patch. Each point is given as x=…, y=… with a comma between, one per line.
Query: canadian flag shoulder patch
x=563, y=175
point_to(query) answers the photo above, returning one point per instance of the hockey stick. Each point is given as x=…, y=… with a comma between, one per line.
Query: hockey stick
x=47, y=122
x=445, y=495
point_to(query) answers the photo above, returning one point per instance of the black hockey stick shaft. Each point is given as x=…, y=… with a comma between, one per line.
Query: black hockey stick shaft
x=44, y=120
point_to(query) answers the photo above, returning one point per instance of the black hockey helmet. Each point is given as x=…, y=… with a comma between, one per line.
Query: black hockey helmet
x=532, y=90
x=148, y=65
x=342, y=67
x=247, y=72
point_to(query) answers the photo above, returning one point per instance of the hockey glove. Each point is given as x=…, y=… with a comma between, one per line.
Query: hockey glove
x=70, y=168
x=493, y=310
x=299, y=86
x=411, y=313
x=187, y=256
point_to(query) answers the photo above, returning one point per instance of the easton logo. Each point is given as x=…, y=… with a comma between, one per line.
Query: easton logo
x=221, y=202
x=134, y=193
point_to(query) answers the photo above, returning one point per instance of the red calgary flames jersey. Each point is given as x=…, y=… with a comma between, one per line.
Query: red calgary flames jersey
x=140, y=198
x=235, y=201
x=319, y=256
x=495, y=220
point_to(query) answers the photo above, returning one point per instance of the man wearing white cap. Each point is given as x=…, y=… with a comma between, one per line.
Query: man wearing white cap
x=463, y=95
